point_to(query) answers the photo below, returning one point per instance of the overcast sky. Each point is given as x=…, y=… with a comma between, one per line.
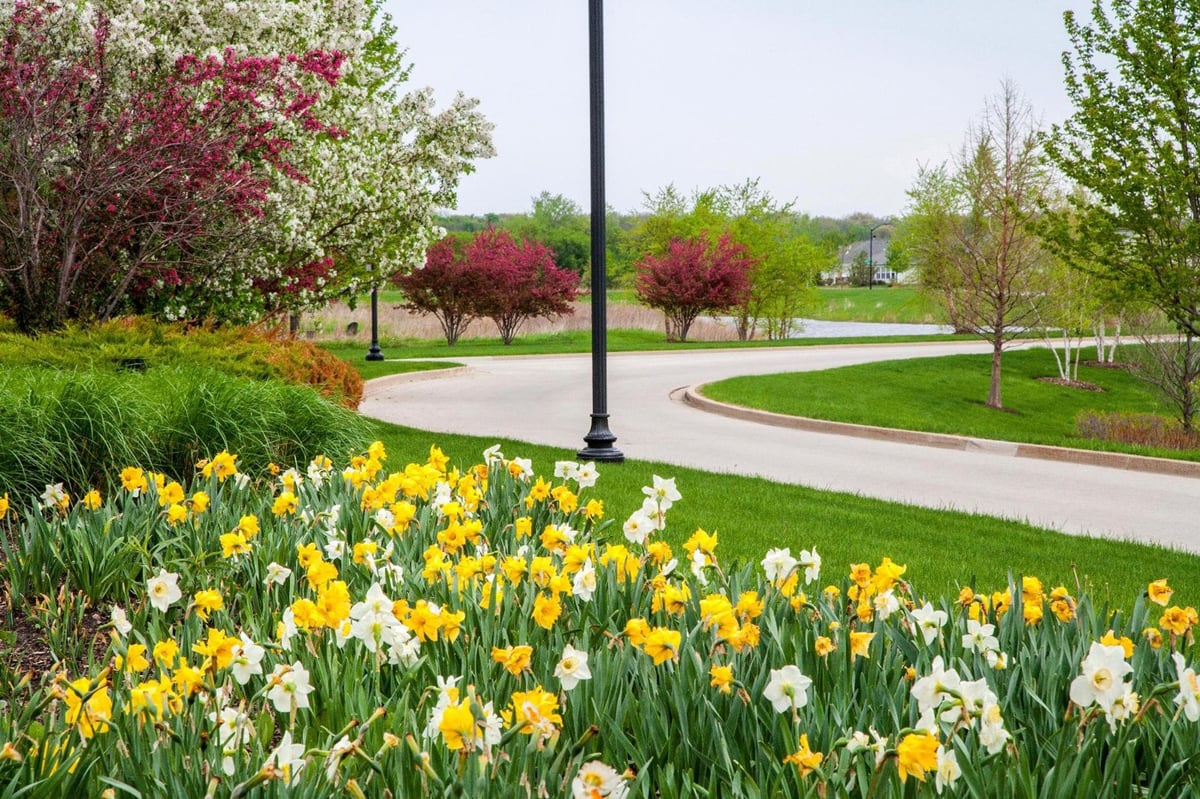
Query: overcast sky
x=832, y=103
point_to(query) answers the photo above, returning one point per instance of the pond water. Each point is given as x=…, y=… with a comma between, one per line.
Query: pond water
x=817, y=328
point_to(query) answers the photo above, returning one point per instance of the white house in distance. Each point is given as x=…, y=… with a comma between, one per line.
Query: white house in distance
x=840, y=275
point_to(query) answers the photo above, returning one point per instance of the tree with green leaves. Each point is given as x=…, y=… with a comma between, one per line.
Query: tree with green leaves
x=979, y=249
x=1133, y=146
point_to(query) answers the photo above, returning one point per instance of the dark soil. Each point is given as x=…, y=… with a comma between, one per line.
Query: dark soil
x=1079, y=384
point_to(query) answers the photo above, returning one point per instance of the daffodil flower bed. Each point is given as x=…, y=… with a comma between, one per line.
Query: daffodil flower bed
x=487, y=631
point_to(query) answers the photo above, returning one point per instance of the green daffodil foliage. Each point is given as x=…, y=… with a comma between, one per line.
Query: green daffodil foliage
x=370, y=629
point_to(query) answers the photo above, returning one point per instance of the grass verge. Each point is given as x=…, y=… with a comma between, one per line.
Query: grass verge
x=946, y=395
x=942, y=549
x=619, y=340
x=896, y=304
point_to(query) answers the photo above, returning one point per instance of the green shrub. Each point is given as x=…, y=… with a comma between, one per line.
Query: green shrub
x=137, y=344
x=82, y=426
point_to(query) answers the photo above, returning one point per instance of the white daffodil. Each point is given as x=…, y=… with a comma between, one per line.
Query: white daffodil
x=980, y=637
x=637, y=527
x=596, y=780
x=787, y=689
x=573, y=667
x=493, y=455
x=163, y=589
x=276, y=574
x=1189, y=689
x=120, y=621
x=1101, y=677
x=566, y=470
x=290, y=687
x=778, y=564
x=931, y=690
x=885, y=603
x=247, y=660
x=288, y=758
x=587, y=475
x=928, y=622
x=947, y=768
x=811, y=562
x=663, y=492
x=584, y=583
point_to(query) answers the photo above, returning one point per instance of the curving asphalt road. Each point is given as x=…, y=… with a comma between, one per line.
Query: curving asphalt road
x=547, y=400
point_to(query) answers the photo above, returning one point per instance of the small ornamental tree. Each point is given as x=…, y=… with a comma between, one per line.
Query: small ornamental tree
x=520, y=281
x=108, y=192
x=694, y=277
x=448, y=286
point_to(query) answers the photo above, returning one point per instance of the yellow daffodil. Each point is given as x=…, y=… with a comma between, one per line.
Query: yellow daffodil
x=860, y=644
x=133, y=480
x=916, y=754
x=171, y=494
x=91, y=500
x=176, y=514
x=514, y=659
x=206, y=602
x=457, y=725
x=804, y=758
x=1126, y=644
x=1178, y=620
x=134, y=661
x=165, y=652
x=722, y=678
x=824, y=645
x=199, y=502
x=662, y=644
x=636, y=631
x=89, y=707
x=546, y=610
x=1159, y=592
x=285, y=504
x=233, y=544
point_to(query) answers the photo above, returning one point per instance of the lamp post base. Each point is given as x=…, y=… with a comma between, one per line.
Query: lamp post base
x=600, y=443
x=375, y=354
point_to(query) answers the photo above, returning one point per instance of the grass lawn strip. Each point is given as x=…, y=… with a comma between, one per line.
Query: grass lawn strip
x=945, y=395
x=948, y=549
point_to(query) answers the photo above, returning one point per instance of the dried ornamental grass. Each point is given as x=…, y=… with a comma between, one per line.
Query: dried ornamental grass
x=487, y=631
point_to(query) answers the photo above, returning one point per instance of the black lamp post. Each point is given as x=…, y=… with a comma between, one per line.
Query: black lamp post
x=599, y=439
x=374, y=354
x=871, y=256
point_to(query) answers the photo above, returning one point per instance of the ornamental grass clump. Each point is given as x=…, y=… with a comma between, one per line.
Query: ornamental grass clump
x=375, y=630
x=80, y=427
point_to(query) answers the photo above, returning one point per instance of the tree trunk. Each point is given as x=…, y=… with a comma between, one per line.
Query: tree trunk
x=994, y=388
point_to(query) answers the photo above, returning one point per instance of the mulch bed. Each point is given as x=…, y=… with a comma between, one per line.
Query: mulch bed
x=1079, y=384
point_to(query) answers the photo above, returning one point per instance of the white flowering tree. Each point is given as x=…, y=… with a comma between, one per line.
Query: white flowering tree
x=342, y=202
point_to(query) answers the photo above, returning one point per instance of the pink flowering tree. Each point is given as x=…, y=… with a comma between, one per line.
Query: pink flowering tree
x=108, y=194
x=520, y=281
x=493, y=276
x=695, y=276
x=447, y=286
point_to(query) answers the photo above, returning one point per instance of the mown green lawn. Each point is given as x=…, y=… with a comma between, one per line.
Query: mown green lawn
x=943, y=550
x=619, y=340
x=947, y=395
x=879, y=304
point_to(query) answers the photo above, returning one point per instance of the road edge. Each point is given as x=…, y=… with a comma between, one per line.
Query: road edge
x=690, y=395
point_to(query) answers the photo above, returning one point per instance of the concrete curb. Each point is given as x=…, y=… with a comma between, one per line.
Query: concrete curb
x=376, y=384
x=690, y=395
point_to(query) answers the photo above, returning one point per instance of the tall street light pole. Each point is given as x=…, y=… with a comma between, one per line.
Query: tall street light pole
x=599, y=439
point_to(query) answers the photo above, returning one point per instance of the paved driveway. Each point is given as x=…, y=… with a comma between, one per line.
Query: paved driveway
x=547, y=400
